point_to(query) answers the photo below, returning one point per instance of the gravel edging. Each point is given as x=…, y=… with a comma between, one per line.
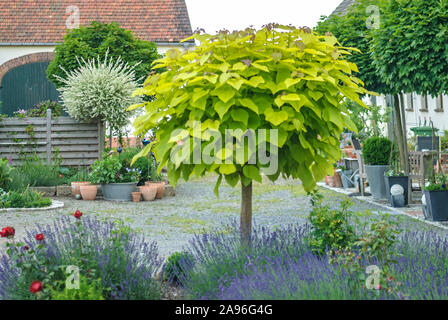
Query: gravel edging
x=55, y=204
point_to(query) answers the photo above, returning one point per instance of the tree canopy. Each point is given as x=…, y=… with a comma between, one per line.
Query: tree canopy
x=289, y=81
x=411, y=48
x=93, y=41
x=354, y=29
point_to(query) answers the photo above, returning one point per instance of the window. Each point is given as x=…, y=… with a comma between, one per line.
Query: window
x=439, y=104
x=424, y=103
x=409, y=102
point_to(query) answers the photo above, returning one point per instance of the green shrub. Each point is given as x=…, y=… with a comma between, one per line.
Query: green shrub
x=88, y=42
x=376, y=151
x=331, y=229
x=105, y=171
x=34, y=172
x=40, y=110
x=92, y=290
x=24, y=199
x=144, y=164
x=5, y=174
x=173, y=267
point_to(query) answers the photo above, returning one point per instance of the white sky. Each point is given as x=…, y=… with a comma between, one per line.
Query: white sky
x=214, y=15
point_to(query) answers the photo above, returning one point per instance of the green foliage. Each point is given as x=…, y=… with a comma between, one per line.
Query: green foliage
x=331, y=229
x=174, y=265
x=23, y=199
x=351, y=31
x=407, y=49
x=376, y=151
x=40, y=110
x=5, y=174
x=278, y=77
x=144, y=164
x=100, y=90
x=88, y=290
x=369, y=122
x=112, y=170
x=444, y=141
x=88, y=42
x=440, y=183
x=34, y=172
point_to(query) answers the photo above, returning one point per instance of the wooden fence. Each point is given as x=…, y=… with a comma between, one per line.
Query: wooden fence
x=74, y=142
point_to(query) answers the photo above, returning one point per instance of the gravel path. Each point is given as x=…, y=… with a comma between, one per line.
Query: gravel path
x=173, y=220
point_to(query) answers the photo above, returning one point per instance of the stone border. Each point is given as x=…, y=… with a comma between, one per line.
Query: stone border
x=396, y=210
x=55, y=204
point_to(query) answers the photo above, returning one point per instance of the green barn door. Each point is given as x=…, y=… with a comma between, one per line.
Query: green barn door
x=25, y=86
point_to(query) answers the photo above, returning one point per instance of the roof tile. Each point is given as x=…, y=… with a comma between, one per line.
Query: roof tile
x=44, y=21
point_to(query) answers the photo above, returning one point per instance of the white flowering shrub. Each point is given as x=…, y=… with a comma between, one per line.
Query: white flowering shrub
x=100, y=90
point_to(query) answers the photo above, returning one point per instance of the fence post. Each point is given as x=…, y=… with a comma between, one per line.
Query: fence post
x=49, y=136
x=101, y=137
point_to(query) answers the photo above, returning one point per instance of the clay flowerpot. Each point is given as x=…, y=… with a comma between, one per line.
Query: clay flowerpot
x=136, y=196
x=76, y=185
x=148, y=192
x=88, y=192
x=337, y=180
x=160, y=188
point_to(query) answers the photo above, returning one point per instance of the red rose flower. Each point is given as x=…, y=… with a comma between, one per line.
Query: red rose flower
x=26, y=248
x=7, y=232
x=78, y=214
x=378, y=287
x=40, y=237
x=36, y=286
x=60, y=176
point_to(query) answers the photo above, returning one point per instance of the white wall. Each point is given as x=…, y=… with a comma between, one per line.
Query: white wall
x=10, y=52
x=440, y=119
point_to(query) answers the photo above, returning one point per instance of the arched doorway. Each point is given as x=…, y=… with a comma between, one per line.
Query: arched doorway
x=24, y=83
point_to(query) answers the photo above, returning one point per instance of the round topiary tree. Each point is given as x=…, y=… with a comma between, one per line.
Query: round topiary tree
x=100, y=90
x=285, y=80
x=97, y=39
x=376, y=151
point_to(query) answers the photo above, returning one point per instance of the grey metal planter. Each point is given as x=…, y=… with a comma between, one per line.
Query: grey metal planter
x=375, y=174
x=436, y=205
x=345, y=177
x=402, y=181
x=118, y=191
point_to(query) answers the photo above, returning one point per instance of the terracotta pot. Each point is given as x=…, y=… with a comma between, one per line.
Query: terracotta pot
x=148, y=192
x=136, y=196
x=326, y=180
x=88, y=192
x=76, y=185
x=330, y=180
x=160, y=188
x=337, y=180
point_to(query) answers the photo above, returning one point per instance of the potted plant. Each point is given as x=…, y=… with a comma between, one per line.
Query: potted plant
x=376, y=152
x=156, y=180
x=396, y=177
x=117, y=181
x=83, y=179
x=88, y=191
x=436, y=198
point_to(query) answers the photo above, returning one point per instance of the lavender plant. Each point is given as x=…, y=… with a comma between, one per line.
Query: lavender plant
x=122, y=259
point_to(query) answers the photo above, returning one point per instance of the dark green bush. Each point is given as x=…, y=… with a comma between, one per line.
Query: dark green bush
x=93, y=41
x=5, y=174
x=376, y=151
x=173, y=266
x=144, y=164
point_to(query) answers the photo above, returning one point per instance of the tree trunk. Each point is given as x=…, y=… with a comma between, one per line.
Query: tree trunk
x=399, y=131
x=246, y=214
x=111, y=137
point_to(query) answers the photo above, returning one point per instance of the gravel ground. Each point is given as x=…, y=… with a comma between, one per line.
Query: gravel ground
x=172, y=221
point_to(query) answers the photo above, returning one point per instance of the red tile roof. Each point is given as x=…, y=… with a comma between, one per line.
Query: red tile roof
x=44, y=21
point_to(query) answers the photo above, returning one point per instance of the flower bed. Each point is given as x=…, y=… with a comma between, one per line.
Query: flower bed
x=113, y=262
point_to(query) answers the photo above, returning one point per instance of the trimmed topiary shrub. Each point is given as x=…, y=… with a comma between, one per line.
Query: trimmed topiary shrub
x=376, y=151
